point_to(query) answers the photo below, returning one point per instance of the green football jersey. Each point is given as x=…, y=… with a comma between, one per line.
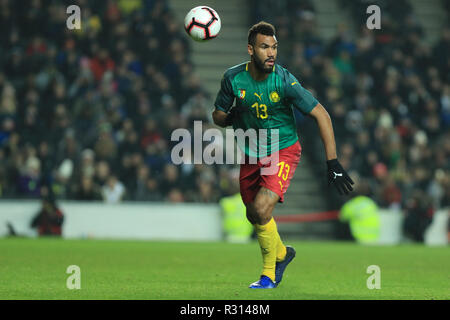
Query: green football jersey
x=266, y=104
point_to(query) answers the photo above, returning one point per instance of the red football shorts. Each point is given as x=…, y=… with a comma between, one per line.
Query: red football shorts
x=251, y=177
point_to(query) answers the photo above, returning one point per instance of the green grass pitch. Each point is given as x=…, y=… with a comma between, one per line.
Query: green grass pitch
x=111, y=269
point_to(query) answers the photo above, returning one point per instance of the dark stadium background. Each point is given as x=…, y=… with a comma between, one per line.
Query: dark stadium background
x=81, y=109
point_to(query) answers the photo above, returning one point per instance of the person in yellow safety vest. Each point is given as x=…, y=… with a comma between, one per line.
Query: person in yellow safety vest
x=235, y=224
x=361, y=212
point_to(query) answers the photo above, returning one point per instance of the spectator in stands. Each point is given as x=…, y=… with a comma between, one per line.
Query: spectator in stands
x=175, y=196
x=87, y=190
x=418, y=215
x=113, y=191
x=102, y=172
x=170, y=179
x=118, y=87
x=30, y=181
x=140, y=184
x=152, y=191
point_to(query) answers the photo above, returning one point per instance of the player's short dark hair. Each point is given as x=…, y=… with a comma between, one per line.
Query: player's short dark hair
x=261, y=27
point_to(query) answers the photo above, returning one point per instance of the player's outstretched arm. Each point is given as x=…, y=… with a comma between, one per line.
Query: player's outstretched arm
x=326, y=130
x=336, y=174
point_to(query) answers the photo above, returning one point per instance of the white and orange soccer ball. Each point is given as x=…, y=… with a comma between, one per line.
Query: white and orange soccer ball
x=202, y=23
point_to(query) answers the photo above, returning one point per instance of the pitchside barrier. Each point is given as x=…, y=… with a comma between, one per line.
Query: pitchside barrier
x=177, y=222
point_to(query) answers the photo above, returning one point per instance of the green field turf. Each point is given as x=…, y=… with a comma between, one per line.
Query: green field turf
x=36, y=269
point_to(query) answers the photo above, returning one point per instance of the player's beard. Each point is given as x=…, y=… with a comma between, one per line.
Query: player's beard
x=259, y=64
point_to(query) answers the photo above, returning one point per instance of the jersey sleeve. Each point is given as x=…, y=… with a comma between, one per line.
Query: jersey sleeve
x=301, y=98
x=225, y=96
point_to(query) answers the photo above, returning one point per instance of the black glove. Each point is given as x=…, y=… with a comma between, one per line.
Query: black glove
x=338, y=177
x=231, y=115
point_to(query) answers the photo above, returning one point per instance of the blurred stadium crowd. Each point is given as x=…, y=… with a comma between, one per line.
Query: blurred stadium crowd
x=89, y=113
x=388, y=94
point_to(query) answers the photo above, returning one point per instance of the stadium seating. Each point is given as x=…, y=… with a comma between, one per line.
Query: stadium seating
x=79, y=107
x=387, y=92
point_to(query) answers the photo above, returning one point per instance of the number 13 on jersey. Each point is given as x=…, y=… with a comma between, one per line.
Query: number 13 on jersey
x=261, y=110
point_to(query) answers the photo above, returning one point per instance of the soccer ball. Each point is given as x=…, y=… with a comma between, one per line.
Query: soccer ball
x=202, y=23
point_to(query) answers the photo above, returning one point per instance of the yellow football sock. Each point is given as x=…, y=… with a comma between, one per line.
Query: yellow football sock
x=281, y=249
x=269, y=241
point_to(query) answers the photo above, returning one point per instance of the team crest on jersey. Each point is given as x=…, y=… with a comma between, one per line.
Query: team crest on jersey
x=241, y=94
x=274, y=97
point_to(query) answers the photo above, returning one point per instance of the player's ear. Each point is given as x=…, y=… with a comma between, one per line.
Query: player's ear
x=250, y=49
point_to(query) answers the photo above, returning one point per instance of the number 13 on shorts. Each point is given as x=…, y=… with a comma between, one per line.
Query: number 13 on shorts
x=283, y=172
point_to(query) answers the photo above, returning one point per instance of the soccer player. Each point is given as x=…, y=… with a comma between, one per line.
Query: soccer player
x=265, y=94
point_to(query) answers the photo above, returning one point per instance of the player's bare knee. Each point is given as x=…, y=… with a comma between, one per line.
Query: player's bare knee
x=261, y=205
